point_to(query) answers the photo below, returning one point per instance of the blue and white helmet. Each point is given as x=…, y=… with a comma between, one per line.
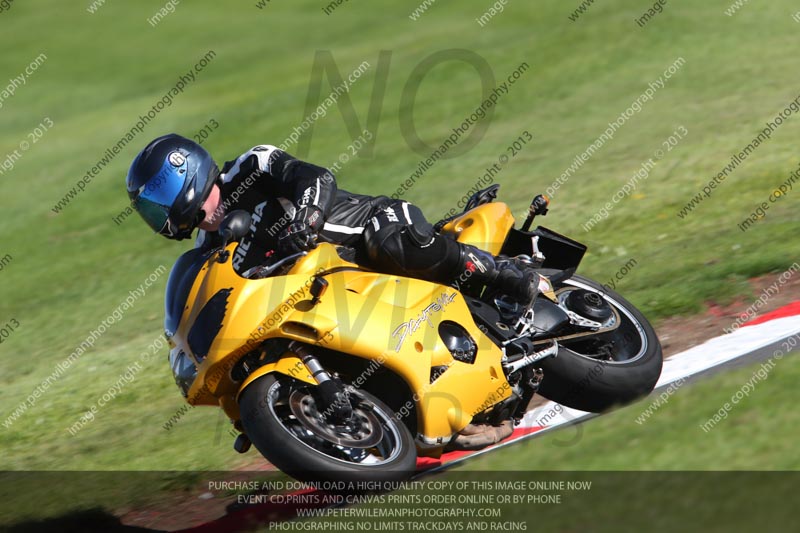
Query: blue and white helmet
x=168, y=182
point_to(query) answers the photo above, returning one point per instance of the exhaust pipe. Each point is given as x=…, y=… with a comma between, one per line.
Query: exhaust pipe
x=479, y=436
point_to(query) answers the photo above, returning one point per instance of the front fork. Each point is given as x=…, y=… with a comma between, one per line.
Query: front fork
x=333, y=397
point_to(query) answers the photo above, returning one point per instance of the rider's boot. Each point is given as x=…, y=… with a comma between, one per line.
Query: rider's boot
x=504, y=275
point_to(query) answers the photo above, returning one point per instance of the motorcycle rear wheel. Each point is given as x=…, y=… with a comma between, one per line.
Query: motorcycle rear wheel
x=280, y=417
x=582, y=377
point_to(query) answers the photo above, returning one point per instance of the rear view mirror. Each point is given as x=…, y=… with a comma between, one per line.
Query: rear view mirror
x=235, y=226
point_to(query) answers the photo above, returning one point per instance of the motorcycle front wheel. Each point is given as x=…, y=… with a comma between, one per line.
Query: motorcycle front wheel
x=281, y=417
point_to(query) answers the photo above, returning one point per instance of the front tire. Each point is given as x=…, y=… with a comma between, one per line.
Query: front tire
x=279, y=416
x=580, y=379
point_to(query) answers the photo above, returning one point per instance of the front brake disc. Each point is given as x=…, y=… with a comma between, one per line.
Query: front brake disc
x=362, y=430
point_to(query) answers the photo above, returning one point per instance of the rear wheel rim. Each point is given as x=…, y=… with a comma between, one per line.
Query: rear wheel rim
x=630, y=329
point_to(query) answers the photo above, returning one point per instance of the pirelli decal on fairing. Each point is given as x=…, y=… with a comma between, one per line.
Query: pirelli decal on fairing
x=407, y=329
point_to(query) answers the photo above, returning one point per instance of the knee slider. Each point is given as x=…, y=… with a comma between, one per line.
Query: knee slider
x=384, y=247
x=421, y=237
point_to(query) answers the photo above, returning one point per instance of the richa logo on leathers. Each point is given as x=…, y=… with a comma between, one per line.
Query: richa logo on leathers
x=406, y=329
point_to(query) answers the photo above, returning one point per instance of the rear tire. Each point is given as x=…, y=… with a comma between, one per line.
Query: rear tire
x=296, y=447
x=581, y=382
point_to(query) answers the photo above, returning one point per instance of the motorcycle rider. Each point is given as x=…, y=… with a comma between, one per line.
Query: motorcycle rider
x=175, y=185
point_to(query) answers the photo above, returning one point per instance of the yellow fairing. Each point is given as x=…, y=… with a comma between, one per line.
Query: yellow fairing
x=255, y=310
x=486, y=226
x=390, y=320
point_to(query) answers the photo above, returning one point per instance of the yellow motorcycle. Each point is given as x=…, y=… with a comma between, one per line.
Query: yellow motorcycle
x=336, y=372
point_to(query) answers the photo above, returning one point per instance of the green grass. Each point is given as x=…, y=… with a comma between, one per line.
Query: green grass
x=663, y=474
x=672, y=439
x=685, y=464
x=70, y=270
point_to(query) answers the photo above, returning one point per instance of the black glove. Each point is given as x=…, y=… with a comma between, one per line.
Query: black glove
x=301, y=234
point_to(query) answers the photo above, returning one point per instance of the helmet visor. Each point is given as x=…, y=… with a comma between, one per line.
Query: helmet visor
x=155, y=198
x=154, y=214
